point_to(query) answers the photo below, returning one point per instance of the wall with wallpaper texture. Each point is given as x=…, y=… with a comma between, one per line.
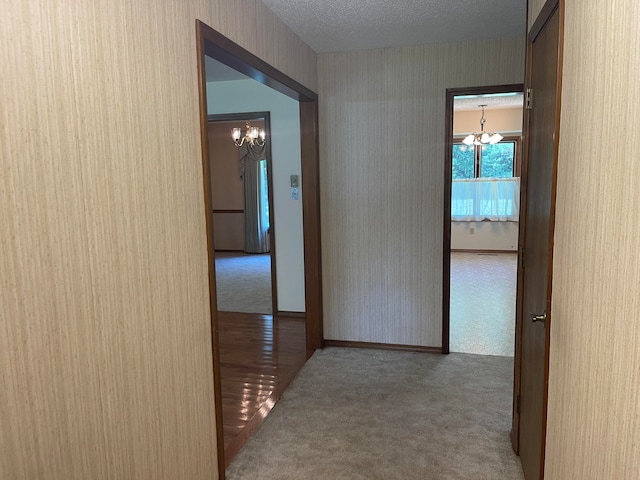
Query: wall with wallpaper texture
x=593, y=427
x=382, y=119
x=105, y=340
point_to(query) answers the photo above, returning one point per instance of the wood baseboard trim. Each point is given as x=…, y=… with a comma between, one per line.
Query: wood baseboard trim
x=300, y=315
x=221, y=210
x=221, y=250
x=463, y=250
x=383, y=346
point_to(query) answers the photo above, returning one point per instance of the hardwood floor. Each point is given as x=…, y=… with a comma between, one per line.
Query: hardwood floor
x=259, y=356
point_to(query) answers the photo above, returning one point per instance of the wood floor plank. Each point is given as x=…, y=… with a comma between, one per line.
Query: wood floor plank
x=259, y=357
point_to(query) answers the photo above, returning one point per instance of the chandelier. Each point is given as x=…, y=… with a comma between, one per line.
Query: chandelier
x=252, y=136
x=482, y=137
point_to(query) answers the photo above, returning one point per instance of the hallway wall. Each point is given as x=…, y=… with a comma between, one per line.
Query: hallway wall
x=382, y=141
x=593, y=423
x=105, y=337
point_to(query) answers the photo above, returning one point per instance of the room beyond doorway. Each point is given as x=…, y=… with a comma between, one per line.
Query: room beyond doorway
x=481, y=208
x=243, y=216
x=212, y=44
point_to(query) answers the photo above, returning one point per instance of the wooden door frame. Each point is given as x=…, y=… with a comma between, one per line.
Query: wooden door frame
x=446, y=241
x=266, y=118
x=212, y=43
x=548, y=10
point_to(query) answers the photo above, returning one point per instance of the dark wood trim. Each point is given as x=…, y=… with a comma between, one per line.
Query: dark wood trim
x=239, y=117
x=482, y=252
x=311, y=224
x=543, y=18
x=446, y=227
x=206, y=174
x=482, y=90
x=217, y=46
x=517, y=360
x=266, y=118
x=546, y=12
x=226, y=211
x=273, y=250
x=221, y=48
x=518, y=166
x=383, y=346
x=224, y=250
x=284, y=313
x=552, y=223
x=514, y=434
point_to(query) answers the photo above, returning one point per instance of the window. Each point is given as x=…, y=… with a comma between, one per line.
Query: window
x=263, y=192
x=463, y=161
x=500, y=160
x=485, y=181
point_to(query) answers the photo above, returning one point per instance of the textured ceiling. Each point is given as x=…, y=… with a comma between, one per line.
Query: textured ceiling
x=473, y=102
x=340, y=25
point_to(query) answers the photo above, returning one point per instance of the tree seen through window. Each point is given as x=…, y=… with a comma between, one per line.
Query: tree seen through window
x=484, y=161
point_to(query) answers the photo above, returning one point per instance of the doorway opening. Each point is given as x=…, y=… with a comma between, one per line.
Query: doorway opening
x=485, y=150
x=242, y=207
x=481, y=220
x=266, y=332
x=481, y=208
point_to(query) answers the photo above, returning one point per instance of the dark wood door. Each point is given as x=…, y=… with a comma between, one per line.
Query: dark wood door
x=539, y=214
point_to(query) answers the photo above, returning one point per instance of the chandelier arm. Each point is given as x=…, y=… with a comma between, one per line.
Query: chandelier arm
x=252, y=136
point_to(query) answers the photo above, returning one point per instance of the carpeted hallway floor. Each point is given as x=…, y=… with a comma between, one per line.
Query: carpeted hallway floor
x=361, y=414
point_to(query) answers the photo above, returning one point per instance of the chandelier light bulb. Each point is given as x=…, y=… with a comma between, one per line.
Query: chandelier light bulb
x=252, y=136
x=482, y=137
x=495, y=138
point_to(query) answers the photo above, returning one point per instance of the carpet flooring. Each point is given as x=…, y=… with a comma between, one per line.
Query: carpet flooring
x=483, y=303
x=243, y=282
x=362, y=414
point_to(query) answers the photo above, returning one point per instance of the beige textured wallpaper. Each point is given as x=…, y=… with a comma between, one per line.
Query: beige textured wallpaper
x=105, y=353
x=251, y=24
x=594, y=379
x=382, y=120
